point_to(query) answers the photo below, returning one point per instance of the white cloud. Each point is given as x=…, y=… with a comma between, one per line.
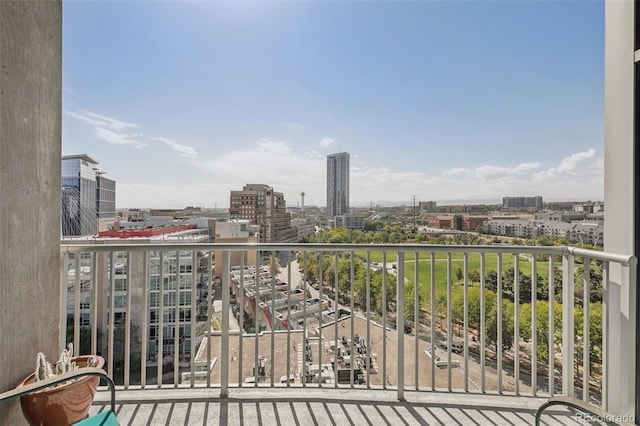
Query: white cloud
x=267, y=146
x=184, y=150
x=109, y=129
x=578, y=176
x=578, y=164
x=326, y=142
x=165, y=194
x=117, y=138
x=488, y=171
x=295, y=126
x=102, y=121
x=291, y=171
x=274, y=163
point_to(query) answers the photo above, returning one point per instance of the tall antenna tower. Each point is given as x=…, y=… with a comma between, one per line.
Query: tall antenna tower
x=302, y=194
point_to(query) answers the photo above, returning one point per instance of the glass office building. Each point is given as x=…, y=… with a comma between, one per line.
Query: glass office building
x=86, y=196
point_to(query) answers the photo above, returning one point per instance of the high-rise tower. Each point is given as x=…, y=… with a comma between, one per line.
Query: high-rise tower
x=337, y=184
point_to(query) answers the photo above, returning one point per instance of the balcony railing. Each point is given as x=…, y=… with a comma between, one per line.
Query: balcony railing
x=482, y=319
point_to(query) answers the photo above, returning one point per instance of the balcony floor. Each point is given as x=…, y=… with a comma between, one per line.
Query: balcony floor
x=327, y=406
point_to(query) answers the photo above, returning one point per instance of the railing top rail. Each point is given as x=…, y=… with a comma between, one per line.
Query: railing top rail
x=425, y=248
x=605, y=256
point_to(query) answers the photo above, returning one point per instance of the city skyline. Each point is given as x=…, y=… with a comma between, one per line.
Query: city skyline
x=183, y=102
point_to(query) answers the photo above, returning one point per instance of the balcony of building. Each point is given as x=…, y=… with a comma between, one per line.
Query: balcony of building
x=35, y=295
x=281, y=347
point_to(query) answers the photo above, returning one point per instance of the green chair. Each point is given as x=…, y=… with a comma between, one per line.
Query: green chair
x=105, y=418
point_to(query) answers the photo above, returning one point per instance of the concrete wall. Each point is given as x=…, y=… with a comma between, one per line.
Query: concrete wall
x=619, y=195
x=30, y=148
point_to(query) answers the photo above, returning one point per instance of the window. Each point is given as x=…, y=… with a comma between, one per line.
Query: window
x=169, y=299
x=169, y=283
x=120, y=302
x=154, y=282
x=121, y=284
x=185, y=298
x=168, y=317
x=85, y=320
x=185, y=315
x=185, y=282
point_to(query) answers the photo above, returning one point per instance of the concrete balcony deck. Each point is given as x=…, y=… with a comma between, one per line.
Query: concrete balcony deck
x=298, y=406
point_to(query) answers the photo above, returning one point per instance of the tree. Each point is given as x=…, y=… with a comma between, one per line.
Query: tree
x=491, y=281
x=542, y=326
x=507, y=325
x=524, y=286
x=474, y=276
x=441, y=306
x=459, y=274
x=595, y=334
x=409, y=301
x=274, y=265
x=396, y=237
x=474, y=306
x=360, y=286
x=595, y=284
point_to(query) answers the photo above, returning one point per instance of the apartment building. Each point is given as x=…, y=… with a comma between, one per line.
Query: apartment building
x=171, y=276
x=263, y=206
x=522, y=202
x=337, y=185
x=427, y=206
x=576, y=232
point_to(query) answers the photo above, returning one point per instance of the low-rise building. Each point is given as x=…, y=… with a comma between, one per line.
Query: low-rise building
x=575, y=232
x=349, y=222
x=441, y=222
x=472, y=223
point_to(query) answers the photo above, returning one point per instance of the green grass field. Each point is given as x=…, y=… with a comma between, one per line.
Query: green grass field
x=457, y=261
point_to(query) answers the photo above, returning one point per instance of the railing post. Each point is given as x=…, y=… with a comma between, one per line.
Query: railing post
x=567, y=323
x=64, y=293
x=224, y=346
x=619, y=372
x=400, y=324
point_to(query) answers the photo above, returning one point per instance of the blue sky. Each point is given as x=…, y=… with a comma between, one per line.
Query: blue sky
x=453, y=101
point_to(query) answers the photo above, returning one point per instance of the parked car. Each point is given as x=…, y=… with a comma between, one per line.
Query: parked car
x=455, y=346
